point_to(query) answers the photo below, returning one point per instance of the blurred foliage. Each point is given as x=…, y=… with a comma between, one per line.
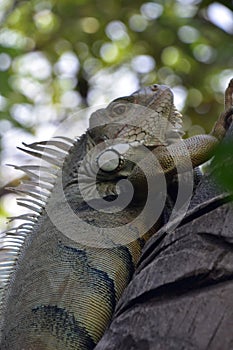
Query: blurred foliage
x=56, y=56
x=51, y=51
x=224, y=156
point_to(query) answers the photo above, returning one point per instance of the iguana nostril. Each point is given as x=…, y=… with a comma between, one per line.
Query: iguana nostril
x=154, y=87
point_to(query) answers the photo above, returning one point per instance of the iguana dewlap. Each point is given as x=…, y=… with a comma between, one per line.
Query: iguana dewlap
x=64, y=269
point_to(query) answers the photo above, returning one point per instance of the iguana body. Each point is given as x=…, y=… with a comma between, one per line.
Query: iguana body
x=62, y=289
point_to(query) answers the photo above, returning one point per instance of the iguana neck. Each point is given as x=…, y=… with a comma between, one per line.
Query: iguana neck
x=78, y=177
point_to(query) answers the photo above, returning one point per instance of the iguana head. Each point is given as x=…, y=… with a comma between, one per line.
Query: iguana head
x=148, y=116
x=120, y=133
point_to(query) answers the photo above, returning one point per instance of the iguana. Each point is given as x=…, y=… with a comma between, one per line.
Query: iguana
x=64, y=269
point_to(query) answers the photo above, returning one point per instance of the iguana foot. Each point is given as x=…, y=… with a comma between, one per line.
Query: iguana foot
x=229, y=95
x=221, y=126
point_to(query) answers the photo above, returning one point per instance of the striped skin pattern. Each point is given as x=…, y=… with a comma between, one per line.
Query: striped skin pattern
x=61, y=277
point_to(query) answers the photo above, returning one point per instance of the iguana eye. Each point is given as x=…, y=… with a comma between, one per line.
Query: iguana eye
x=119, y=108
x=110, y=161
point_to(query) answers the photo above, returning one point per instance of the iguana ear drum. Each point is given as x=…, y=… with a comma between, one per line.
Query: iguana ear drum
x=110, y=160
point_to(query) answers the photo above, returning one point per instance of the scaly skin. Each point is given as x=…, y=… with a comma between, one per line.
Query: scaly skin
x=69, y=276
